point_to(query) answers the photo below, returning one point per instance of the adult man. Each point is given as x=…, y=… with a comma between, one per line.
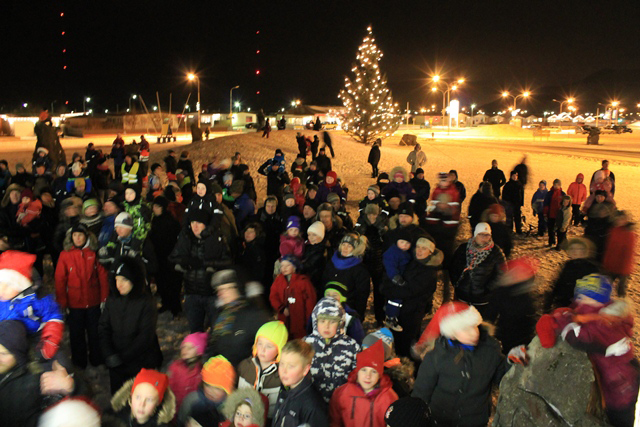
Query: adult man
x=513, y=196
x=416, y=158
x=496, y=177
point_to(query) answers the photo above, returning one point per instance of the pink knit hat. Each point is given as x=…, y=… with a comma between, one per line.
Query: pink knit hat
x=199, y=341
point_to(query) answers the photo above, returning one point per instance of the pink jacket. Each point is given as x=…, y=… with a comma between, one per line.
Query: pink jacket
x=183, y=380
x=291, y=245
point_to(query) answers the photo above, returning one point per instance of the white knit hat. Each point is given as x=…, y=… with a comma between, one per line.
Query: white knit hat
x=482, y=227
x=70, y=413
x=317, y=228
x=124, y=220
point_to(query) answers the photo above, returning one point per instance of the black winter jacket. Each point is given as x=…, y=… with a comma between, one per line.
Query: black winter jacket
x=300, y=406
x=474, y=286
x=375, y=236
x=313, y=264
x=354, y=275
x=513, y=192
x=199, y=258
x=20, y=398
x=477, y=205
x=253, y=259
x=456, y=383
x=374, y=155
x=496, y=178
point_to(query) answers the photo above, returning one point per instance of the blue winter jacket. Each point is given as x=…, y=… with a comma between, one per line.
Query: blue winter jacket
x=34, y=312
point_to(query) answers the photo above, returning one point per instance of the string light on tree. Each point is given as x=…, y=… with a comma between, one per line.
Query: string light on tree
x=371, y=113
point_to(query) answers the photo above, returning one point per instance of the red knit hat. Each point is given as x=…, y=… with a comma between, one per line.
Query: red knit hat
x=15, y=269
x=518, y=270
x=449, y=318
x=372, y=357
x=333, y=175
x=27, y=193
x=158, y=380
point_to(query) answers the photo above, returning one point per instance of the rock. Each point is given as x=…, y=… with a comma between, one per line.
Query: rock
x=553, y=390
x=408, y=139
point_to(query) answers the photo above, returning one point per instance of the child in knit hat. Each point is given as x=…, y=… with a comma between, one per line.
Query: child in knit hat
x=353, y=325
x=395, y=260
x=244, y=408
x=260, y=371
x=92, y=216
x=464, y=362
x=401, y=375
x=364, y=399
x=335, y=352
x=292, y=296
x=373, y=198
x=218, y=382
x=144, y=400
x=30, y=208
x=185, y=372
x=603, y=328
x=291, y=243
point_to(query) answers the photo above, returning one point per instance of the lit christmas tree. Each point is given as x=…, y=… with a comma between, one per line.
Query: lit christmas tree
x=371, y=113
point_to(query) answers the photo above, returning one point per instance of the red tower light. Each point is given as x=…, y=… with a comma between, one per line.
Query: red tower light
x=66, y=103
x=257, y=72
x=257, y=52
x=61, y=14
x=258, y=93
x=63, y=33
x=64, y=68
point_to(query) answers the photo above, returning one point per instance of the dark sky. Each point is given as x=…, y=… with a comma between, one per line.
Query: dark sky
x=118, y=48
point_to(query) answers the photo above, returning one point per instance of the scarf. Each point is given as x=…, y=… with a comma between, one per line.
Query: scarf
x=226, y=319
x=344, y=263
x=476, y=255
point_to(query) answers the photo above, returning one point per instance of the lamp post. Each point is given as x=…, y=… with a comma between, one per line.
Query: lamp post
x=472, y=107
x=130, y=98
x=231, y=101
x=435, y=89
x=452, y=85
x=506, y=94
x=84, y=104
x=192, y=77
x=567, y=101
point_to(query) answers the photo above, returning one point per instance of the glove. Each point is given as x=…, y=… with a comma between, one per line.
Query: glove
x=113, y=361
x=518, y=355
x=399, y=280
x=50, y=338
x=180, y=268
x=546, y=330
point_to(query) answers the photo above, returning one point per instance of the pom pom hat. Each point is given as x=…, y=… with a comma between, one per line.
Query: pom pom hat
x=158, y=380
x=449, y=318
x=15, y=269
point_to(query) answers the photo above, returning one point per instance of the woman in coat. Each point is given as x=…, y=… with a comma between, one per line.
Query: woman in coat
x=346, y=267
x=127, y=326
x=374, y=159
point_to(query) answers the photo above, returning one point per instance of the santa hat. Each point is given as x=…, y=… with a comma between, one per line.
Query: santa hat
x=15, y=269
x=71, y=412
x=449, y=318
x=158, y=380
x=518, y=270
x=372, y=357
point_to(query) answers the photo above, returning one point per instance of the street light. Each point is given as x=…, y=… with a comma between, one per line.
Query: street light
x=192, y=77
x=450, y=86
x=231, y=101
x=130, y=98
x=237, y=104
x=524, y=94
x=472, y=107
x=84, y=105
x=435, y=89
x=567, y=101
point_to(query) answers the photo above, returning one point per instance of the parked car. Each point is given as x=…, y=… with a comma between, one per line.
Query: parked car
x=252, y=125
x=621, y=129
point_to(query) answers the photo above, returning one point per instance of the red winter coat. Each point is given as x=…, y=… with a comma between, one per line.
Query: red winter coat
x=577, y=190
x=350, y=407
x=299, y=296
x=81, y=281
x=452, y=198
x=619, y=252
x=228, y=424
x=183, y=380
x=609, y=328
x=291, y=245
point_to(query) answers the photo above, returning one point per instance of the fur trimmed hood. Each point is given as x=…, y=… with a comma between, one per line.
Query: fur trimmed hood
x=245, y=395
x=92, y=241
x=398, y=169
x=164, y=413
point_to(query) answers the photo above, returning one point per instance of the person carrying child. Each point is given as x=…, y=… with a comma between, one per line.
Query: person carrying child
x=335, y=352
x=298, y=401
x=30, y=208
x=395, y=261
x=292, y=296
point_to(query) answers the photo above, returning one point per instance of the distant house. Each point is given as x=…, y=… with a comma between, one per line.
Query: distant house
x=498, y=118
x=481, y=119
x=531, y=119
x=299, y=116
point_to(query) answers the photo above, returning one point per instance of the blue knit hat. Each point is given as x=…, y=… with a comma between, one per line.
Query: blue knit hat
x=293, y=222
x=595, y=286
x=294, y=260
x=383, y=334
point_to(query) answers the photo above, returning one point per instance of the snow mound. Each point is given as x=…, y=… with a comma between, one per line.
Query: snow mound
x=498, y=131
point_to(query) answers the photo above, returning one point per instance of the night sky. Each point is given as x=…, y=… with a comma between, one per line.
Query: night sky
x=118, y=48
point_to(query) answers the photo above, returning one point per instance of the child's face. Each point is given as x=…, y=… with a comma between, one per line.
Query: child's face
x=368, y=378
x=266, y=351
x=541, y=186
x=7, y=292
x=329, y=180
x=335, y=205
x=123, y=231
x=289, y=202
x=372, y=218
x=346, y=249
x=144, y=401
x=328, y=328
x=40, y=170
x=585, y=300
x=468, y=335
x=243, y=416
x=566, y=203
x=600, y=198
x=494, y=217
x=123, y=285
x=26, y=200
x=61, y=170
x=214, y=394
x=403, y=245
x=188, y=352
x=286, y=268
x=7, y=361
x=330, y=293
x=292, y=369
x=129, y=195
x=314, y=239
x=72, y=211
x=157, y=210
x=91, y=211
x=201, y=189
x=371, y=195
x=79, y=239
x=249, y=235
x=293, y=232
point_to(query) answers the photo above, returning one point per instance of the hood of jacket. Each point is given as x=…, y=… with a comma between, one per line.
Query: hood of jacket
x=92, y=241
x=6, y=199
x=328, y=307
x=164, y=413
x=433, y=260
x=579, y=178
x=138, y=277
x=245, y=395
x=401, y=170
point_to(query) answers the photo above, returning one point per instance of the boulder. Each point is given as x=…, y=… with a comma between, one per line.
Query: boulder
x=557, y=388
x=408, y=139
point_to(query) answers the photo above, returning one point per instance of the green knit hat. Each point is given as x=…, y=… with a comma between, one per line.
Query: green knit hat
x=336, y=287
x=274, y=331
x=90, y=202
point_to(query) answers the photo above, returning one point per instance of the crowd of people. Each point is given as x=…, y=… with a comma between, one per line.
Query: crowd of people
x=275, y=296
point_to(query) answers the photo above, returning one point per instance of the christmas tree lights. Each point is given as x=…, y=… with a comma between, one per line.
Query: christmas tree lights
x=370, y=111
